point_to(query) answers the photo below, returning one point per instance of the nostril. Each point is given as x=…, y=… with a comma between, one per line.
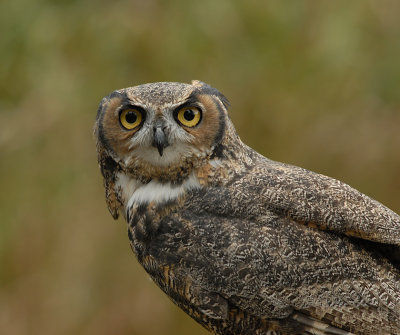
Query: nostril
x=162, y=128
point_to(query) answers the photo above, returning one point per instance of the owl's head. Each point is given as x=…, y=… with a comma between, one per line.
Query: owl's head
x=159, y=131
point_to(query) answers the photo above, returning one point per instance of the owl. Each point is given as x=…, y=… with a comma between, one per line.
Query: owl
x=241, y=243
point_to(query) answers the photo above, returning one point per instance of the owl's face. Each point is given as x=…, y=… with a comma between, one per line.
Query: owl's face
x=158, y=135
x=161, y=124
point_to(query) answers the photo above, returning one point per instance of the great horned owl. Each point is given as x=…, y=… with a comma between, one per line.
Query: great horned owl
x=243, y=244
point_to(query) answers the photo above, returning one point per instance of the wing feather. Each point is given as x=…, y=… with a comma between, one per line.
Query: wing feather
x=310, y=197
x=262, y=261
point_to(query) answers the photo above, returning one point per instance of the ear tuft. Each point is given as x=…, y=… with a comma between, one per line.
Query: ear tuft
x=207, y=89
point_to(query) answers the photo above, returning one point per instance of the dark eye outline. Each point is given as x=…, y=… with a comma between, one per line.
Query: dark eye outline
x=185, y=107
x=133, y=108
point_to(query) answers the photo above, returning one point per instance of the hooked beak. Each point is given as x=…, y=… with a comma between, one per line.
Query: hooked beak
x=160, y=140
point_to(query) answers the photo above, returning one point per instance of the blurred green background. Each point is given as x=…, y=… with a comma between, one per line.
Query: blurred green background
x=314, y=84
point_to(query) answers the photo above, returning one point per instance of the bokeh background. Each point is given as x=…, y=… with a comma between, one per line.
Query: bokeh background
x=312, y=83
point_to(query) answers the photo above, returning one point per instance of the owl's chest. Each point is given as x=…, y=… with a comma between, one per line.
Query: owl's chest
x=161, y=240
x=147, y=204
x=160, y=232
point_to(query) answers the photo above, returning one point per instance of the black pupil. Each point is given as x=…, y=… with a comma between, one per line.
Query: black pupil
x=189, y=115
x=131, y=117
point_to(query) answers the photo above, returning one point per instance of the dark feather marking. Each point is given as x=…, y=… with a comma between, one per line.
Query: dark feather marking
x=218, y=152
x=100, y=128
x=100, y=116
x=130, y=236
x=222, y=116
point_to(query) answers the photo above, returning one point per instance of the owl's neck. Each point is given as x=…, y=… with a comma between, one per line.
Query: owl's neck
x=133, y=192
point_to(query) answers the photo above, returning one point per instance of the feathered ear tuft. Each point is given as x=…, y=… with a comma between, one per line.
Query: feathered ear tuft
x=109, y=168
x=207, y=89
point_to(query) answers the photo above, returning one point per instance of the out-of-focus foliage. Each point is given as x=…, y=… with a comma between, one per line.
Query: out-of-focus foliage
x=315, y=84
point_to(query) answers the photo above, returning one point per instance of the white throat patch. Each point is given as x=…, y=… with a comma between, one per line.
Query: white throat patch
x=135, y=192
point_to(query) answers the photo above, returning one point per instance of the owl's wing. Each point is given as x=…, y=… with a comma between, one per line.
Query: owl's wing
x=273, y=265
x=315, y=200
x=269, y=266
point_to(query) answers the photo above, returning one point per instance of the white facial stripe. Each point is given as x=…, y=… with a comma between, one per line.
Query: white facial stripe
x=134, y=192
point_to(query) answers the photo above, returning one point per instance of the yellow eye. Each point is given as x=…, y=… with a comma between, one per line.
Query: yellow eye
x=189, y=116
x=130, y=118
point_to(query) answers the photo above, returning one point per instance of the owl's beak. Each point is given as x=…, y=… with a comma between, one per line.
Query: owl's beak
x=160, y=140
